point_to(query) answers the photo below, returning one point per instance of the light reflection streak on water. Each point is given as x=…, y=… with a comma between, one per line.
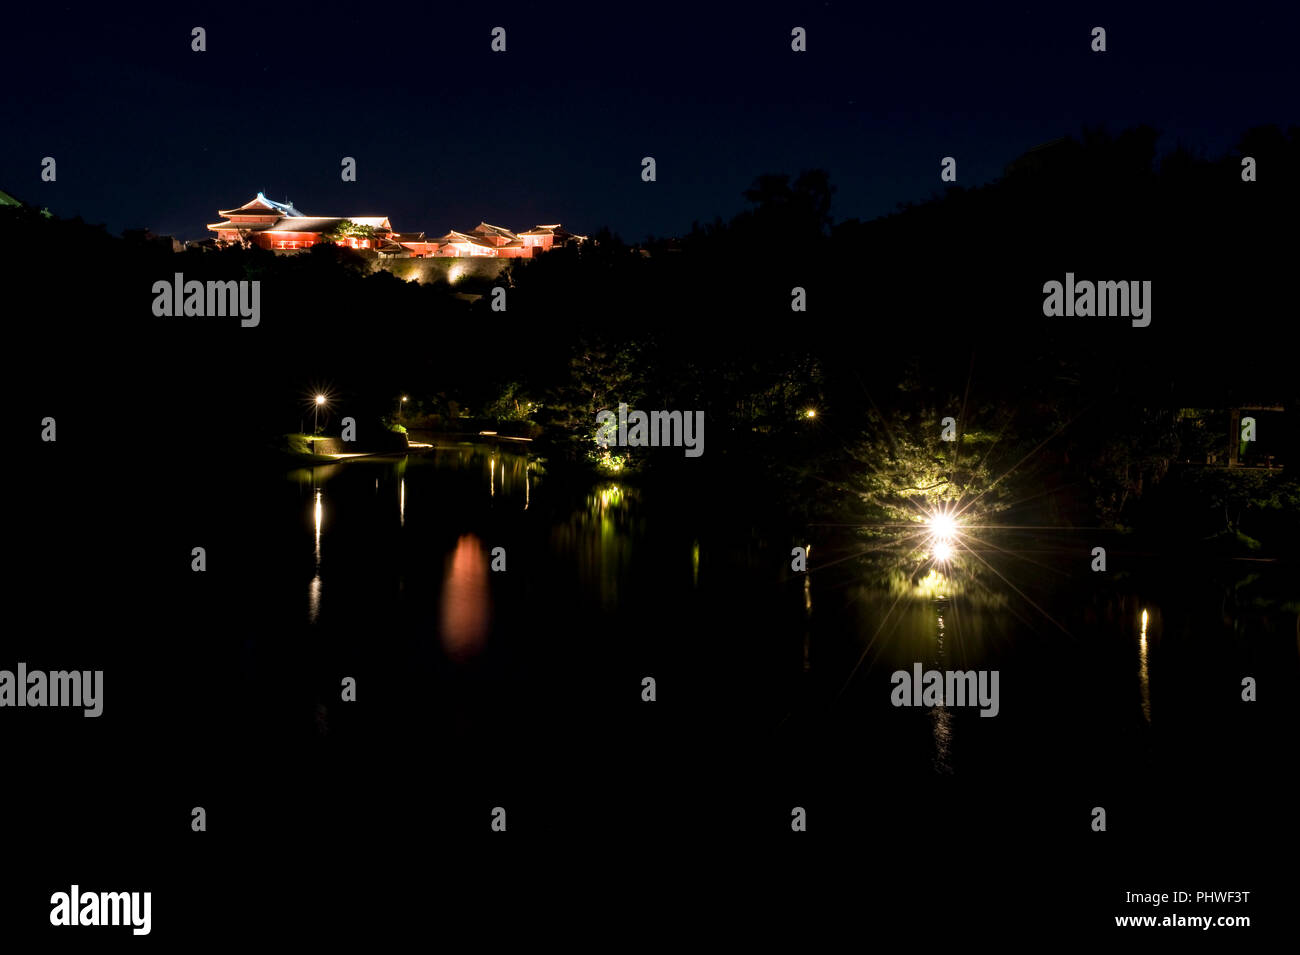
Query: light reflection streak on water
x=599, y=536
x=807, y=609
x=465, y=600
x=1144, y=676
x=313, y=599
x=807, y=581
x=401, y=505
x=313, y=590
x=940, y=716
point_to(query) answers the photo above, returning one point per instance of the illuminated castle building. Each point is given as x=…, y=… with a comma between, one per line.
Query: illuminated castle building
x=280, y=227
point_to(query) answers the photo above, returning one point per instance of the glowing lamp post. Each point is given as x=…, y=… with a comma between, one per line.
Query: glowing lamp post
x=315, y=414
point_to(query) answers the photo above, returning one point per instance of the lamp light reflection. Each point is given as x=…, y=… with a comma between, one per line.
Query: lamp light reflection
x=1144, y=675
x=313, y=589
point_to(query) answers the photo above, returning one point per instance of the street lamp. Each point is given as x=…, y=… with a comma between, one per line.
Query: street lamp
x=399, y=407
x=315, y=412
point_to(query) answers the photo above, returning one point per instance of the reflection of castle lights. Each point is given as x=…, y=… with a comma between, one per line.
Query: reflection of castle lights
x=466, y=600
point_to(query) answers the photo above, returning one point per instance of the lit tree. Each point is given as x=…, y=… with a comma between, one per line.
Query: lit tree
x=347, y=230
x=512, y=404
x=1234, y=492
x=903, y=468
x=601, y=375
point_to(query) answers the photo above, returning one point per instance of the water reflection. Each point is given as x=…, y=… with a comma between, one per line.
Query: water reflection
x=933, y=586
x=465, y=600
x=313, y=589
x=599, y=537
x=910, y=602
x=313, y=599
x=319, y=511
x=941, y=716
x=1144, y=677
x=806, y=642
x=314, y=477
x=603, y=560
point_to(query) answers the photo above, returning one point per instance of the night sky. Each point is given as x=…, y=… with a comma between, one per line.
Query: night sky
x=446, y=133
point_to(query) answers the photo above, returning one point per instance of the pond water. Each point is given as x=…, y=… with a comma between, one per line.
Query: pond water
x=766, y=680
x=522, y=688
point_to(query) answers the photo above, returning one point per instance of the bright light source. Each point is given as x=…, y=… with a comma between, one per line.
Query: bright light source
x=942, y=552
x=320, y=399
x=403, y=397
x=943, y=526
x=810, y=413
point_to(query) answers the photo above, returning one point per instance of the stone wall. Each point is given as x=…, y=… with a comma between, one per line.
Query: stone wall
x=476, y=269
